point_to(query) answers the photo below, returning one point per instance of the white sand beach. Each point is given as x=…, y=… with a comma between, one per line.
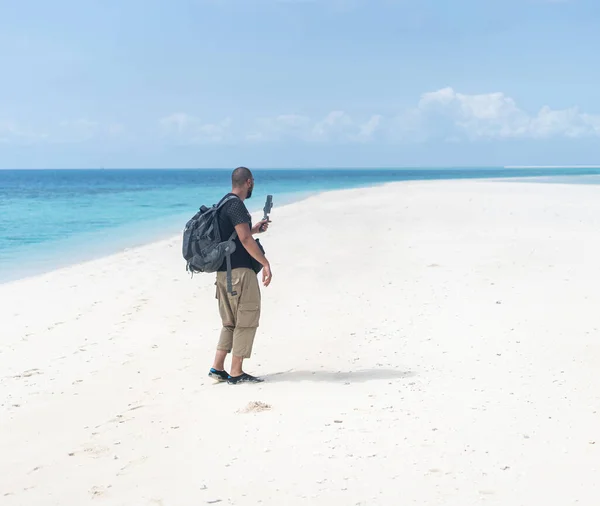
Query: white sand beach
x=422, y=343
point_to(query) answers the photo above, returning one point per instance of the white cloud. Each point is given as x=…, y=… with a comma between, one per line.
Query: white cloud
x=280, y=127
x=78, y=130
x=115, y=129
x=80, y=124
x=368, y=129
x=187, y=129
x=13, y=133
x=443, y=115
x=178, y=121
x=8, y=130
x=83, y=129
x=336, y=126
x=447, y=113
x=66, y=131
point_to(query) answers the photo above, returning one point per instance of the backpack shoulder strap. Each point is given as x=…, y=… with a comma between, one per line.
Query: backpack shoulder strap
x=221, y=203
x=226, y=199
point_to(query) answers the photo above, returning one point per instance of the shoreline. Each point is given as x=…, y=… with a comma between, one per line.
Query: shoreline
x=157, y=237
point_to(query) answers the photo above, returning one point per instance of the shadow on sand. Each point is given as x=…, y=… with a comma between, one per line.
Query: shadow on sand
x=339, y=377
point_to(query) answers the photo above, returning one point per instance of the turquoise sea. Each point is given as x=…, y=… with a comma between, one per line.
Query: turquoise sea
x=52, y=218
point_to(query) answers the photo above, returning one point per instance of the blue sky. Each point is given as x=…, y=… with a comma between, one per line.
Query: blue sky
x=298, y=83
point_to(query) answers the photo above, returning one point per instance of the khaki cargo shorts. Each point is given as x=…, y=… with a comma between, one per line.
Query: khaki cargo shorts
x=240, y=313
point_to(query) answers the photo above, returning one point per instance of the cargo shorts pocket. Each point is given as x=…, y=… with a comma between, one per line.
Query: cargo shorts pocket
x=248, y=315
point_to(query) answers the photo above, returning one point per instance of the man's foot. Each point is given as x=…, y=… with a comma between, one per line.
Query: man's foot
x=218, y=375
x=243, y=378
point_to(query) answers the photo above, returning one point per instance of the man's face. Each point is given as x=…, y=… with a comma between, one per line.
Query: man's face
x=250, y=186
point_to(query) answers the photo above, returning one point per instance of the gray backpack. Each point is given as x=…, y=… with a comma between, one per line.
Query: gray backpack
x=203, y=247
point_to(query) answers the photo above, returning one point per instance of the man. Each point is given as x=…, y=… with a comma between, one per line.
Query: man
x=240, y=313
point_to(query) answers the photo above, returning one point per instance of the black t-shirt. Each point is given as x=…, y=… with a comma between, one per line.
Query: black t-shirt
x=231, y=214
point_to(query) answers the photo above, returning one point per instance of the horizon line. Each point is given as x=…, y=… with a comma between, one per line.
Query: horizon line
x=385, y=167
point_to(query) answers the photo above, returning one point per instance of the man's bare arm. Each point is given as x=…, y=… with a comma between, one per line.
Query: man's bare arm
x=245, y=235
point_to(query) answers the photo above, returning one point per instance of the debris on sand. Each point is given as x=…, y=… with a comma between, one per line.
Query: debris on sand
x=255, y=407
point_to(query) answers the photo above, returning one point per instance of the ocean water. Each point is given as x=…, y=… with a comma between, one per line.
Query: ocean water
x=53, y=218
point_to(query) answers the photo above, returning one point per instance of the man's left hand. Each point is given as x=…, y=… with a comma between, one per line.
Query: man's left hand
x=260, y=227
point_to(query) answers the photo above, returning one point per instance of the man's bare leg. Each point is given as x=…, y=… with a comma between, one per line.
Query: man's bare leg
x=218, y=370
x=236, y=366
x=242, y=348
x=219, y=363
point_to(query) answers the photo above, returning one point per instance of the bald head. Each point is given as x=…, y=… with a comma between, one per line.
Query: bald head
x=242, y=182
x=240, y=176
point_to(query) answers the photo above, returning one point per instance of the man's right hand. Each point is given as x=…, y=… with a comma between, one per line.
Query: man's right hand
x=266, y=274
